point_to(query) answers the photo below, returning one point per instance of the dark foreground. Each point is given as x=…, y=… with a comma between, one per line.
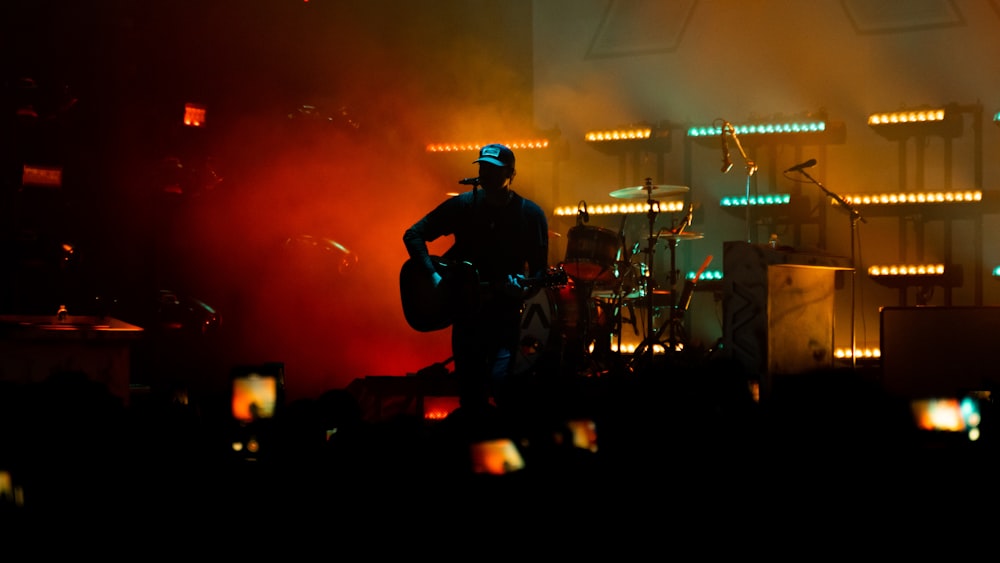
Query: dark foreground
x=676, y=447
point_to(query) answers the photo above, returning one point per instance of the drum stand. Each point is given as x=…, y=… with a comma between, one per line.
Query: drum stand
x=646, y=347
x=675, y=318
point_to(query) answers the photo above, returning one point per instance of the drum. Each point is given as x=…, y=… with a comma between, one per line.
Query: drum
x=591, y=253
x=550, y=318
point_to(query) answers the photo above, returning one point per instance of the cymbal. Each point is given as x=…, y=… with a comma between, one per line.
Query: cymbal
x=651, y=191
x=631, y=294
x=665, y=233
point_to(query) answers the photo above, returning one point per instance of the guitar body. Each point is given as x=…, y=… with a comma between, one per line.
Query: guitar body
x=428, y=308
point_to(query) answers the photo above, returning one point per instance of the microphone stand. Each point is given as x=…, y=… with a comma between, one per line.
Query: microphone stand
x=855, y=216
x=751, y=170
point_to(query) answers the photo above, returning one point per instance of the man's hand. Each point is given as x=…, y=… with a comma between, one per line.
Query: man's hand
x=435, y=279
x=515, y=286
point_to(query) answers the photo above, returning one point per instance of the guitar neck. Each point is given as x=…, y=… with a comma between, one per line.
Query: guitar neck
x=548, y=280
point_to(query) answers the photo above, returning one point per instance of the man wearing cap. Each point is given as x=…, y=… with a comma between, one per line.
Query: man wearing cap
x=504, y=237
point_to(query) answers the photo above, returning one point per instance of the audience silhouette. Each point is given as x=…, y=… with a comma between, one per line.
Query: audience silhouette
x=67, y=445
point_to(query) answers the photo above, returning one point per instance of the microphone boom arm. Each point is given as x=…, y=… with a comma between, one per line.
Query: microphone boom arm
x=850, y=208
x=751, y=170
x=751, y=165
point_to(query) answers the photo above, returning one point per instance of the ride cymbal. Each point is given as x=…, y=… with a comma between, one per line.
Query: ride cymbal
x=667, y=234
x=650, y=191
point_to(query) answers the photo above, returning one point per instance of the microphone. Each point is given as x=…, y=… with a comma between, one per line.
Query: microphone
x=469, y=181
x=807, y=164
x=581, y=214
x=727, y=163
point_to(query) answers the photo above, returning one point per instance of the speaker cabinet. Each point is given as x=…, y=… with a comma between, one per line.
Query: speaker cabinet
x=778, y=310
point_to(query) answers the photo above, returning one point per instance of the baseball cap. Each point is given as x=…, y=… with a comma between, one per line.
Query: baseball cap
x=496, y=154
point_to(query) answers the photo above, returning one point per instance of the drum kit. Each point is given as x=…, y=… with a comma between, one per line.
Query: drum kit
x=605, y=280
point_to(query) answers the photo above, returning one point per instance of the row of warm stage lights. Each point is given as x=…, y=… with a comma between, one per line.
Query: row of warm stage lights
x=904, y=270
x=915, y=197
x=861, y=353
x=900, y=117
x=622, y=208
x=525, y=144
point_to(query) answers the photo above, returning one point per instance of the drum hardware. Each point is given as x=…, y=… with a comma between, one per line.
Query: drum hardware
x=673, y=321
x=631, y=329
x=559, y=324
x=633, y=285
x=676, y=317
x=649, y=190
x=601, y=268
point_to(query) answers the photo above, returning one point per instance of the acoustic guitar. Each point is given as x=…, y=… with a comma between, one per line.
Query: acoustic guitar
x=428, y=308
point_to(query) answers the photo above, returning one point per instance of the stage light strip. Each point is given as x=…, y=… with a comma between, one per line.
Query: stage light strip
x=897, y=125
x=904, y=270
x=910, y=116
x=526, y=144
x=624, y=134
x=775, y=128
x=707, y=275
x=770, y=199
x=863, y=353
x=621, y=208
x=913, y=197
